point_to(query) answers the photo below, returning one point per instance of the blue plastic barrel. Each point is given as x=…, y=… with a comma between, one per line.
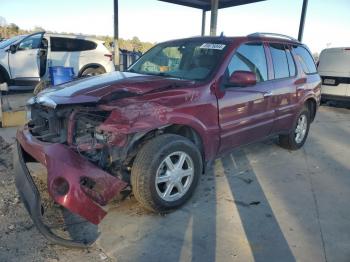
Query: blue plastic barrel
x=61, y=74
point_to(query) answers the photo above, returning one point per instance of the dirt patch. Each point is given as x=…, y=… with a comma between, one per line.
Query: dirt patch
x=19, y=238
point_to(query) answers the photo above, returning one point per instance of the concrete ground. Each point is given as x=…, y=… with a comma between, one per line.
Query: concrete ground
x=260, y=203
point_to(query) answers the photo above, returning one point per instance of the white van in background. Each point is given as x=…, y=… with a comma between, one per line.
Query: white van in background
x=334, y=68
x=24, y=59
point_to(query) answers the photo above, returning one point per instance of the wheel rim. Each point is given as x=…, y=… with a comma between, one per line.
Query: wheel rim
x=174, y=176
x=301, y=128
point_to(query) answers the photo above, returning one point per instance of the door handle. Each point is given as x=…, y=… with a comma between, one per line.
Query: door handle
x=300, y=81
x=268, y=94
x=301, y=87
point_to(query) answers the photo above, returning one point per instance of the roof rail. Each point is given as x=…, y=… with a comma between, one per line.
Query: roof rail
x=274, y=35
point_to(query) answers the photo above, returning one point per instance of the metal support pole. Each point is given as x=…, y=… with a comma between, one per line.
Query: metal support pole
x=214, y=17
x=116, y=35
x=302, y=20
x=203, y=22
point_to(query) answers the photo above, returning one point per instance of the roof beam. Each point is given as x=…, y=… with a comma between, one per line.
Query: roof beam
x=302, y=20
x=214, y=17
x=206, y=4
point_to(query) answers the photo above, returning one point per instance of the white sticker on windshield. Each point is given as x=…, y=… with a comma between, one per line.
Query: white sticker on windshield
x=212, y=46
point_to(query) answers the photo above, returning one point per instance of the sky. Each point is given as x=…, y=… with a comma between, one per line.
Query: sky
x=327, y=22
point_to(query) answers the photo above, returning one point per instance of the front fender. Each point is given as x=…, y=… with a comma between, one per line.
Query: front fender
x=143, y=118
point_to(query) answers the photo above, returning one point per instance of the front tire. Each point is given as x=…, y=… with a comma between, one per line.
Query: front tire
x=297, y=137
x=165, y=172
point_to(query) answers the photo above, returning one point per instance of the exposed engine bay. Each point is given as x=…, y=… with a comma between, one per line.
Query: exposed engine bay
x=78, y=128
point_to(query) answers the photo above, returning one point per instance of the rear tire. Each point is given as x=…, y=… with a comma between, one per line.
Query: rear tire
x=297, y=137
x=160, y=180
x=93, y=71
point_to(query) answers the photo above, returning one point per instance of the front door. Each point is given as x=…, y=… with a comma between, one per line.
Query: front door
x=25, y=61
x=246, y=114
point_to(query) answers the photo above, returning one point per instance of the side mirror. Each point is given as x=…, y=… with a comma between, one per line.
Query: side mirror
x=13, y=49
x=242, y=78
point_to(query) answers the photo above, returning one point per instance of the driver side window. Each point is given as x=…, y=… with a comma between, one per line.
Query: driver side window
x=250, y=57
x=31, y=42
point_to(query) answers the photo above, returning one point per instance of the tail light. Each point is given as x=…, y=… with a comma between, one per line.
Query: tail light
x=110, y=56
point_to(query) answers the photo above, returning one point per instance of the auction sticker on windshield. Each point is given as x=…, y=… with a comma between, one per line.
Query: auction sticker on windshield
x=212, y=46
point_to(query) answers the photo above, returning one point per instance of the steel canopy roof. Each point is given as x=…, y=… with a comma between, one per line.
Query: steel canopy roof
x=206, y=4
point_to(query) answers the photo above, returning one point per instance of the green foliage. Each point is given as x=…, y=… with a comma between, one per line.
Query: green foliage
x=134, y=44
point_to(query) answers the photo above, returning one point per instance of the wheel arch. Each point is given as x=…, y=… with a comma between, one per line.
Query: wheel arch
x=178, y=129
x=90, y=65
x=312, y=106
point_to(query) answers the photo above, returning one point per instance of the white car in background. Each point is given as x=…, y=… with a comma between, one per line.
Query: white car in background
x=334, y=68
x=24, y=59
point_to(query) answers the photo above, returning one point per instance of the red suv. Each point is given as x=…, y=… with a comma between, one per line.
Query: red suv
x=157, y=126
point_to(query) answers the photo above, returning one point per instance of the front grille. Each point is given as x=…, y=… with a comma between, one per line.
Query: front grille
x=48, y=125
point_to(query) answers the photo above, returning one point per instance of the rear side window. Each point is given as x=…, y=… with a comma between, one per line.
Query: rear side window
x=250, y=57
x=306, y=60
x=280, y=61
x=61, y=44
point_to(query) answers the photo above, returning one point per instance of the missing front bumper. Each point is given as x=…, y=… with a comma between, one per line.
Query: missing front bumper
x=31, y=198
x=65, y=165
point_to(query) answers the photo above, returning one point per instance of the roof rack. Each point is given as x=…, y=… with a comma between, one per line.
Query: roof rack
x=273, y=35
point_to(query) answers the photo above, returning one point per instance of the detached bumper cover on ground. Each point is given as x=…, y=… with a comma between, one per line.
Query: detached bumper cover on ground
x=73, y=182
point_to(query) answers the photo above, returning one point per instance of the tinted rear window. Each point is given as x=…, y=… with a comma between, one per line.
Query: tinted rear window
x=61, y=44
x=306, y=60
x=280, y=61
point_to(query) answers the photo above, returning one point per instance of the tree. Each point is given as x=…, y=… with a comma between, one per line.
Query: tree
x=136, y=44
x=13, y=28
x=38, y=29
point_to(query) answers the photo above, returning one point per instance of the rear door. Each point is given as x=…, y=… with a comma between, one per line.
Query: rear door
x=71, y=52
x=62, y=54
x=285, y=85
x=246, y=113
x=25, y=62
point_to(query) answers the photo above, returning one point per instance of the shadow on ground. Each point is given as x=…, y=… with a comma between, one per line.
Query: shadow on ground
x=229, y=217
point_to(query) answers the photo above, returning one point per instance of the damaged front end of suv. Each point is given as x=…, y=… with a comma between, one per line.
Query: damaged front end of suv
x=84, y=163
x=86, y=144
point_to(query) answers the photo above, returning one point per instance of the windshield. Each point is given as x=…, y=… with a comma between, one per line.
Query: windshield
x=10, y=41
x=191, y=60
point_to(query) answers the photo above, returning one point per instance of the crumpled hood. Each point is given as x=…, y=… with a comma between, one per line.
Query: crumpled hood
x=107, y=87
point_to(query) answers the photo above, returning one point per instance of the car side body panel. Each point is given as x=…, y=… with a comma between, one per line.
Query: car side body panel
x=172, y=107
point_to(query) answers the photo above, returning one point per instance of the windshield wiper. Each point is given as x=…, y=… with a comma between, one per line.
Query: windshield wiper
x=167, y=75
x=155, y=74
